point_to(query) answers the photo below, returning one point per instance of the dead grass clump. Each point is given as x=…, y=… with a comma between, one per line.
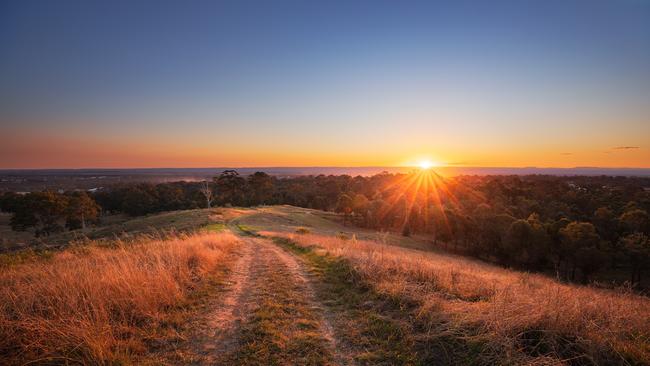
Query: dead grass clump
x=302, y=231
x=525, y=317
x=95, y=304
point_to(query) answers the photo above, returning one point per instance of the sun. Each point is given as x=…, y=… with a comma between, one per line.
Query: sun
x=425, y=164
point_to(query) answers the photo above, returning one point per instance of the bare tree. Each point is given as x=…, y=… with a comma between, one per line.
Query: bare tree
x=206, y=190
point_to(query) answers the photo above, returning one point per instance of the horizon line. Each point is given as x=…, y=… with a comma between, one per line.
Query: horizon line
x=330, y=167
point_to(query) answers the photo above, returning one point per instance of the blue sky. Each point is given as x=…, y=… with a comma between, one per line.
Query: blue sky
x=461, y=82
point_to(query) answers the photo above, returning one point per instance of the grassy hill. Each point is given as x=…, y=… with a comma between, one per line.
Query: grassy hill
x=285, y=285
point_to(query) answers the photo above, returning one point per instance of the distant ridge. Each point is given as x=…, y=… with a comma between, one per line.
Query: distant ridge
x=296, y=171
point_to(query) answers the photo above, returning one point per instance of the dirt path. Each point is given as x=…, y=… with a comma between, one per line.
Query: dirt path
x=305, y=287
x=220, y=326
x=267, y=313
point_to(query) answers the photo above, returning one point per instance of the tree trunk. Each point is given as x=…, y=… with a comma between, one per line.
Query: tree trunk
x=639, y=275
x=573, y=273
x=636, y=274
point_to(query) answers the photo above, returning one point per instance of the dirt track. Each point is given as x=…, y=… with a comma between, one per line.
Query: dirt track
x=219, y=332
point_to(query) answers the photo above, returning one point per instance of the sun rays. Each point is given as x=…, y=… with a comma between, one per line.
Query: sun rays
x=422, y=192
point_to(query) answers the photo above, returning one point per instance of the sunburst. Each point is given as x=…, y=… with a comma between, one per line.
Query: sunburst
x=423, y=188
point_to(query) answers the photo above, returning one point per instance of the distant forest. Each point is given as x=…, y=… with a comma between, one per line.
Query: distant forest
x=574, y=227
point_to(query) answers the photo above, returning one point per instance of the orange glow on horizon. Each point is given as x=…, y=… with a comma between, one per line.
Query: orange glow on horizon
x=31, y=150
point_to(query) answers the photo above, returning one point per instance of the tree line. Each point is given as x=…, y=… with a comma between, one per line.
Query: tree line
x=50, y=212
x=574, y=226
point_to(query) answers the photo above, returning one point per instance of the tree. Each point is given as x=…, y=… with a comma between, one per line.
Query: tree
x=605, y=223
x=139, y=199
x=518, y=236
x=344, y=206
x=539, y=245
x=261, y=185
x=589, y=260
x=454, y=224
x=526, y=242
x=231, y=187
x=9, y=201
x=558, y=253
x=170, y=197
x=493, y=230
x=206, y=191
x=360, y=206
x=607, y=227
x=579, y=237
x=80, y=209
x=636, y=220
x=42, y=210
x=439, y=225
x=375, y=213
x=442, y=231
x=413, y=219
x=637, y=248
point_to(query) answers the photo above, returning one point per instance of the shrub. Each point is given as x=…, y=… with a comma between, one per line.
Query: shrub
x=302, y=231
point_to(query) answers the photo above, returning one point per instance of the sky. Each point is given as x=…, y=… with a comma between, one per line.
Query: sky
x=548, y=83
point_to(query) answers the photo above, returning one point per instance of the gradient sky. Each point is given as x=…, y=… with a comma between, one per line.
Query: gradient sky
x=324, y=83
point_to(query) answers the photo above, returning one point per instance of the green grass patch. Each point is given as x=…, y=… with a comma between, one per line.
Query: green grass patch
x=247, y=230
x=216, y=227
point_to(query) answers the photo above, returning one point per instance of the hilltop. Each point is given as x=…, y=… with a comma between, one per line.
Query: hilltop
x=286, y=285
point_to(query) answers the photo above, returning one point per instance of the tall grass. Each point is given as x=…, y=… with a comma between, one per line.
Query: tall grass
x=521, y=317
x=94, y=304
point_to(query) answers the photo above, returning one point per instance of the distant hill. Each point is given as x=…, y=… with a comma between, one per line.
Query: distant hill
x=199, y=173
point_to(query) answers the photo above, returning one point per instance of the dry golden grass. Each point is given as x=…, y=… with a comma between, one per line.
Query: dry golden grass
x=96, y=305
x=523, y=318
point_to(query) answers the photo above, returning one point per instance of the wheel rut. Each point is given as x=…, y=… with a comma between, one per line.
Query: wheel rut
x=267, y=311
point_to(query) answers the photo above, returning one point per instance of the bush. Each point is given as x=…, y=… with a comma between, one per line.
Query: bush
x=302, y=231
